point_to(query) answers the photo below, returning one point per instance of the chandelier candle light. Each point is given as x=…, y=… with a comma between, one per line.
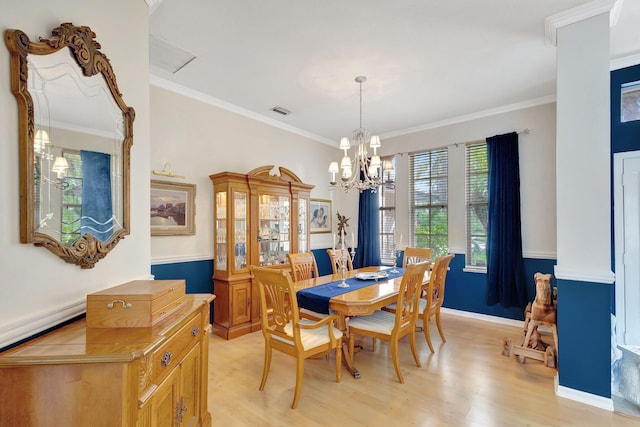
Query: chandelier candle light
x=361, y=171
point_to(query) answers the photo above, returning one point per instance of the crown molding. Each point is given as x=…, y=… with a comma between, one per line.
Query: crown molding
x=207, y=99
x=625, y=61
x=473, y=116
x=580, y=13
x=153, y=4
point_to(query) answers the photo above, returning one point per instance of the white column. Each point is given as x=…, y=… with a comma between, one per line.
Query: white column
x=583, y=151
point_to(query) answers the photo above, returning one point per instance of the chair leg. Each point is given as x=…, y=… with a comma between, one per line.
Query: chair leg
x=396, y=362
x=440, y=326
x=425, y=326
x=374, y=344
x=267, y=364
x=414, y=350
x=338, y=360
x=299, y=375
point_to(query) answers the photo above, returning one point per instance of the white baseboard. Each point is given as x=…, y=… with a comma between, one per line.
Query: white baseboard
x=483, y=317
x=561, y=391
x=582, y=397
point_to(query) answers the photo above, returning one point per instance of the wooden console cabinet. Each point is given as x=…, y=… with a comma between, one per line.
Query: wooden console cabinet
x=259, y=217
x=113, y=377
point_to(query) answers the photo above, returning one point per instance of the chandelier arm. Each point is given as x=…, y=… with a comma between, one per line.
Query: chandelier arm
x=360, y=162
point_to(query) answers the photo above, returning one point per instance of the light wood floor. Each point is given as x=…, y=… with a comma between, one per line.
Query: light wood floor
x=466, y=383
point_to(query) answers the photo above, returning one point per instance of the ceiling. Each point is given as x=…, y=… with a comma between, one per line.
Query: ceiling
x=426, y=61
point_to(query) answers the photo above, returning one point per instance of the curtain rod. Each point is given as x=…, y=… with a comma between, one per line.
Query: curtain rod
x=525, y=131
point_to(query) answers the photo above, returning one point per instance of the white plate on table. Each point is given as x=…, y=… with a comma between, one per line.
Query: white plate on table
x=372, y=275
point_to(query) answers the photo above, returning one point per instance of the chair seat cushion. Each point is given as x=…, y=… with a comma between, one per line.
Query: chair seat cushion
x=379, y=321
x=310, y=337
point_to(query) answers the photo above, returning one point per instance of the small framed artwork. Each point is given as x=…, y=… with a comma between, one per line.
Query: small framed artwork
x=321, y=216
x=173, y=208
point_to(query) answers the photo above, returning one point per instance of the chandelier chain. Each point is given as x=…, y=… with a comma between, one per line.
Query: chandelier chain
x=365, y=170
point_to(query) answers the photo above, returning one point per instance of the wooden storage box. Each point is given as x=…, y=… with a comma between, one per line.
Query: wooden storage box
x=139, y=303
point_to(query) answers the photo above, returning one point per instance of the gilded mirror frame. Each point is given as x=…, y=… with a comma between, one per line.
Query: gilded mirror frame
x=87, y=250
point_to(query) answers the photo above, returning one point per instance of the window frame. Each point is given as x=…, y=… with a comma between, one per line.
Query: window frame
x=473, y=173
x=387, y=237
x=435, y=174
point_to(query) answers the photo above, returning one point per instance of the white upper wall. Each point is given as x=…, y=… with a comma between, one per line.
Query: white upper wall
x=200, y=139
x=537, y=173
x=38, y=288
x=583, y=138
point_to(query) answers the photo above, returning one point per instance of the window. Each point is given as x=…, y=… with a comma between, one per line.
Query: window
x=72, y=199
x=387, y=203
x=428, y=201
x=477, y=197
x=630, y=102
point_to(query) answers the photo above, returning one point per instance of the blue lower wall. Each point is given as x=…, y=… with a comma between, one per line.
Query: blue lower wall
x=197, y=275
x=583, y=314
x=464, y=291
x=584, y=333
x=467, y=291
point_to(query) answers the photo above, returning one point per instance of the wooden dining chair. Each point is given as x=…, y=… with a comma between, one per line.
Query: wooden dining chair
x=413, y=255
x=432, y=298
x=288, y=333
x=303, y=266
x=393, y=326
x=338, y=257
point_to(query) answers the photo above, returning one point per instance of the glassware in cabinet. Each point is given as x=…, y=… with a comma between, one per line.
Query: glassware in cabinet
x=221, y=230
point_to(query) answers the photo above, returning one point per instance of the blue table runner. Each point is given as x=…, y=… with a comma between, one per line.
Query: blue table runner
x=317, y=298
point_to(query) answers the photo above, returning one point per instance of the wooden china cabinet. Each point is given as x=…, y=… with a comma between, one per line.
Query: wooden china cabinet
x=259, y=217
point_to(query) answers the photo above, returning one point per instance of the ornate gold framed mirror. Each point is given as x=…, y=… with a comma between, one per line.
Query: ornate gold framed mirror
x=75, y=135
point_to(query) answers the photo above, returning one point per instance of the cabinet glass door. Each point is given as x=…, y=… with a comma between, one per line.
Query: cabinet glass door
x=273, y=232
x=240, y=230
x=302, y=226
x=221, y=230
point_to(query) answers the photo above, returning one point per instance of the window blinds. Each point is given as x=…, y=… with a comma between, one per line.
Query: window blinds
x=428, y=200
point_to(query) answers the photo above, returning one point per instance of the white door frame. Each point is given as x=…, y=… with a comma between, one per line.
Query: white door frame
x=618, y=194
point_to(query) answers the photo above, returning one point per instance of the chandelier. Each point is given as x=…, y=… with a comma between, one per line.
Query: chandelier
x=361, y=170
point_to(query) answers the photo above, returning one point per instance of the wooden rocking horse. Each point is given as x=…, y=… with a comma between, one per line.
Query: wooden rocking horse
x=541, y=313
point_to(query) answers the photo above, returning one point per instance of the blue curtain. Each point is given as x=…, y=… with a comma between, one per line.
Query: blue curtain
x=368, y=251
x=97, y=210
x=505, y=269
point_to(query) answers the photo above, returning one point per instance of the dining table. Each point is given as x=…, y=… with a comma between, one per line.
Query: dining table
x=369, y=289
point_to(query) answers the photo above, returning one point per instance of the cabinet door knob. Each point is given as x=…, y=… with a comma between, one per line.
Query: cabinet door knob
x=166, y=359
x=195, y=330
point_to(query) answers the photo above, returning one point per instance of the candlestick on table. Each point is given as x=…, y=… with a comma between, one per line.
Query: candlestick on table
x=343, y=267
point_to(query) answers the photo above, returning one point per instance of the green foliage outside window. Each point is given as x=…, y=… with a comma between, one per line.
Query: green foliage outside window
x=72, y=199
x=477, y=198
x=429, y=201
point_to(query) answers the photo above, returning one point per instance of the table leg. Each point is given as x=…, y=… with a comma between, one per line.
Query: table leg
x=347, y=357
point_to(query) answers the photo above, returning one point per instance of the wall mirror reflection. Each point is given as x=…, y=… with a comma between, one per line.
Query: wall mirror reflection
x=75, y=140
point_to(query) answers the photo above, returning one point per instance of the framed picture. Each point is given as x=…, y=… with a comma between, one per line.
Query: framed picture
x=321, y=216
x=173, y=208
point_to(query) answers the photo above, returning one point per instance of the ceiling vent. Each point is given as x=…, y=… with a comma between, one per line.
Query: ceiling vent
x=280, y=110
x=166, y=56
